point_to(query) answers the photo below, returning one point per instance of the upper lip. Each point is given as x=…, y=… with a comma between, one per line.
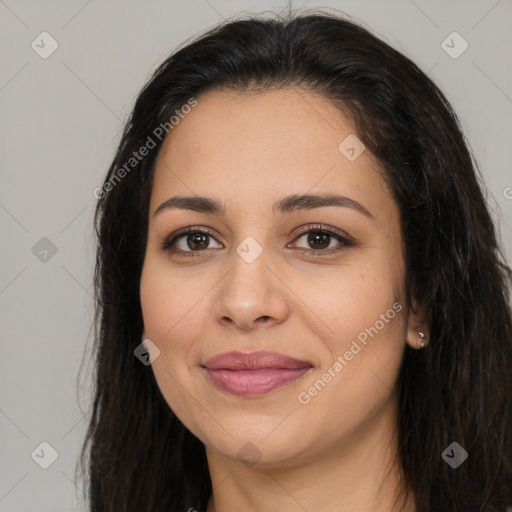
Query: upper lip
x=253, y=361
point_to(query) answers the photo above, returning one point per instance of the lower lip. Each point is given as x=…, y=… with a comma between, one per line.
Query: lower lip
x=254, y=382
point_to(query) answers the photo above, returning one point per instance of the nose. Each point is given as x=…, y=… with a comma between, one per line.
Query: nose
x=251, y=295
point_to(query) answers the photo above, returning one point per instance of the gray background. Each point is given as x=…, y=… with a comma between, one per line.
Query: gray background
x=61, y=121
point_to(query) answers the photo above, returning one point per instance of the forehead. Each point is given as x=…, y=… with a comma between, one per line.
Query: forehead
x=263, y=146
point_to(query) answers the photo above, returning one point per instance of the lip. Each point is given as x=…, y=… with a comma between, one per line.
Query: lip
x=255, y=373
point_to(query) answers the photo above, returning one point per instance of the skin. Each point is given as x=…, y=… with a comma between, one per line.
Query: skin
x=336, y=452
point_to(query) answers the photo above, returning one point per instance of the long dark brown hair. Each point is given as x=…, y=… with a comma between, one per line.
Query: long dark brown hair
x=137, y=455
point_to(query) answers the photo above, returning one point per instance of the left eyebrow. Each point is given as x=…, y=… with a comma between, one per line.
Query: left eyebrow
x=309, y=201
x=285, y=205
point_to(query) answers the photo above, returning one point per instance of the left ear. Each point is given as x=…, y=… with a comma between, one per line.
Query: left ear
x=417, y=328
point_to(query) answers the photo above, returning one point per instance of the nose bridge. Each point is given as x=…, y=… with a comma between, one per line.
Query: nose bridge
x=250, y=291
x=249, y=279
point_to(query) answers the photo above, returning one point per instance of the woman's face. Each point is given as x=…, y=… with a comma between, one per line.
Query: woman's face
x=267, y=278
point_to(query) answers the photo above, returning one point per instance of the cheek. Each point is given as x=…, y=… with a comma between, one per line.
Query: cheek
x=357, y=380
x=357, y=302
x=161, y=313
x=171, y=306
x=363, y=331
x=169, y=299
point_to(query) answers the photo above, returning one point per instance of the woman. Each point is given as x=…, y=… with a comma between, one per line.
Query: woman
x=302, y=304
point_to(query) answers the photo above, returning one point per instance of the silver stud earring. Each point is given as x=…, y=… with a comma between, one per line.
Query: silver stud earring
x=423, y=337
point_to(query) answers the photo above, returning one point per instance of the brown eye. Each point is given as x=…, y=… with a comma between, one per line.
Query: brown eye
x=188, y=241
x=319, y=240
x=193, y=241
x=197, y=240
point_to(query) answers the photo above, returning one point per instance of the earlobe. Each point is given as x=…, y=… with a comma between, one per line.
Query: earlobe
x=417, y=339
x=417, y=332
x=422, y=339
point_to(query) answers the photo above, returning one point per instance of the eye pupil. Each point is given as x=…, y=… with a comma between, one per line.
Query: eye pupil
x=194, y=239
x=316, y=237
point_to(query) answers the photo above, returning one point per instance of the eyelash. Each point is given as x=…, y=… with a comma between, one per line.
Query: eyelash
x=317, y=228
